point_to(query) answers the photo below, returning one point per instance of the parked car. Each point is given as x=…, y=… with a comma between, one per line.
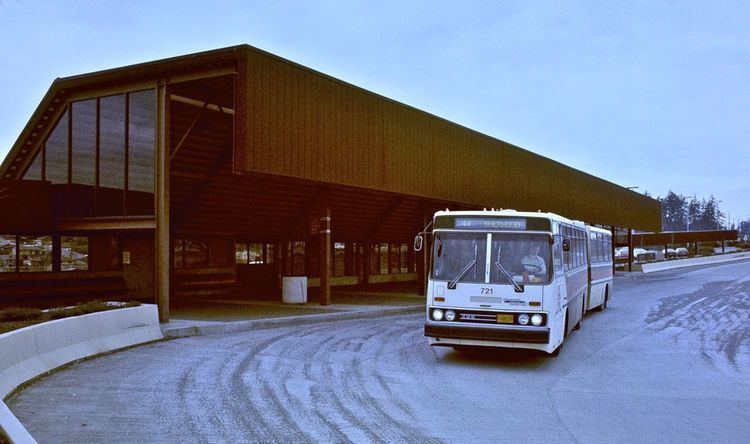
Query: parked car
x=669, y=253
x=622, y=252
x=682, y=251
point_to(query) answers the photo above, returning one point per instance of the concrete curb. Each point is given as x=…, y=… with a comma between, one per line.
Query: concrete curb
x=39, y=349
x=256, y=324
x=694, y=262
x=12, y=427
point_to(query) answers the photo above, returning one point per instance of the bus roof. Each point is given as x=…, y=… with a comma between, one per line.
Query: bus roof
x=599, y=230
x=511, y=213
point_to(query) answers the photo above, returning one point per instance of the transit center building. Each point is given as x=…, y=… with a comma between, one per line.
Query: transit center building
x=224, y=171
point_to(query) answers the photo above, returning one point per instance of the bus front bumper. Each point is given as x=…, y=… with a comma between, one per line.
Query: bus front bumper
x=529, y=335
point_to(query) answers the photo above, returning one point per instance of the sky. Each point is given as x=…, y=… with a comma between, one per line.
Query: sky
x=648, y=94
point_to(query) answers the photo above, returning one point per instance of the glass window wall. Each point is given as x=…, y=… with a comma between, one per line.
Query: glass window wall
x=74, y=253
x=35, y=253
x=111, y=156
x=141, y=140
x=56, y=152
x=7, y=253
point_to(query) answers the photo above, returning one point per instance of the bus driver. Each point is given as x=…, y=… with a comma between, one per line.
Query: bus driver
x=533, y=263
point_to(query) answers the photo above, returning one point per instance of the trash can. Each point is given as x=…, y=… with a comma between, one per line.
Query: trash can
x=294, y=289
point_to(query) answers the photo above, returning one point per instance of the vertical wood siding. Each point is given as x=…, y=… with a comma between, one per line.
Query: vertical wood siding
x=303, y=124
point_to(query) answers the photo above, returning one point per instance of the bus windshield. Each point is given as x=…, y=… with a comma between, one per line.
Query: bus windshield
x=462, y=257
x=527, y=257
x=453, y=253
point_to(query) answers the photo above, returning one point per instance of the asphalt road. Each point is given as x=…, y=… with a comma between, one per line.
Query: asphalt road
x=667, y=361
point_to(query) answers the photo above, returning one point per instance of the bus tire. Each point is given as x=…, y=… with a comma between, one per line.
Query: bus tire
x=606, y=298
x=583, y=311
x=556, y=352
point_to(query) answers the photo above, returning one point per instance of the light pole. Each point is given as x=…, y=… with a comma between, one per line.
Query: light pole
x=718, y=213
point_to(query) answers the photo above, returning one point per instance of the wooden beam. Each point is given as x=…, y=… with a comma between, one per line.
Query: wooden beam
x=201, y=104
x=392, y=207
x=188, y=131
x=294, y=223
x=200, y=75
x=108, y=224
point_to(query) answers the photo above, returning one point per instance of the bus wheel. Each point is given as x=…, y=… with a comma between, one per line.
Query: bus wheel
x=556, y=353
x=583, y=311
x=606, y=297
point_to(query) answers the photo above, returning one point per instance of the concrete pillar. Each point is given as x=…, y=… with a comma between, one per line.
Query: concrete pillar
x=162, y=243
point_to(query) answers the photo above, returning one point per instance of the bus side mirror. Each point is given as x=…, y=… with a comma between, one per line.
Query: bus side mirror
x=418, y=242
x=566, y=244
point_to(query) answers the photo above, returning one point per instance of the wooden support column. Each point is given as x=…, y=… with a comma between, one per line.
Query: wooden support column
x=162, y=250
x=630, y=249
x=423, y=260
x=365, y=262
x=284, y=258
x=325, y=250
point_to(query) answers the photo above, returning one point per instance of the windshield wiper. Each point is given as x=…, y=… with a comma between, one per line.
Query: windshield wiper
x=452, y=283
x=519, y=288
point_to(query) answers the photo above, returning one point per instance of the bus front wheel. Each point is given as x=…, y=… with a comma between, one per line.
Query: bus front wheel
x=556, y=352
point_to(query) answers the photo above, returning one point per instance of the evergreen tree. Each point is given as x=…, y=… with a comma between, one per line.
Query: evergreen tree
x=673, y=208
x=693, y=213
x=710, y=216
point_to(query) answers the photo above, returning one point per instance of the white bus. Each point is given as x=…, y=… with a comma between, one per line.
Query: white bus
x=506, y=279
x=600, y=268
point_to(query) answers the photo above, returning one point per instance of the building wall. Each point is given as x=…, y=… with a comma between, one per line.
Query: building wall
x=138, y=266
x=292, y=121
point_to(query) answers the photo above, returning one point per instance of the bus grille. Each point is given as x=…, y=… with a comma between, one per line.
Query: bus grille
x=478, y=317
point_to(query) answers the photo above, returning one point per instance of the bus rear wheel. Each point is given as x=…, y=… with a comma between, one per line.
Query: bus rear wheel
x=606, y=298
x=583, y=312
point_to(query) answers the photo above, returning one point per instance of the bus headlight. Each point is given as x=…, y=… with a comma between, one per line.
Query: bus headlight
x=536, y=320
x=437, y=314
x=450, y=315
x=523, y=319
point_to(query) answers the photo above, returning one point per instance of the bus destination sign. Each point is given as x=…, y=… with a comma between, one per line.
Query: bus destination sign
x=476, y=223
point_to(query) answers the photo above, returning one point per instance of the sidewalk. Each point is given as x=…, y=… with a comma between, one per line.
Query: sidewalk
x=198, y=317
x=695, y=261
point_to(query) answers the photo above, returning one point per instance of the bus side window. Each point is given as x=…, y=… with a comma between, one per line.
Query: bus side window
x=557, y=253
x=608, y=246
x=567, y=254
